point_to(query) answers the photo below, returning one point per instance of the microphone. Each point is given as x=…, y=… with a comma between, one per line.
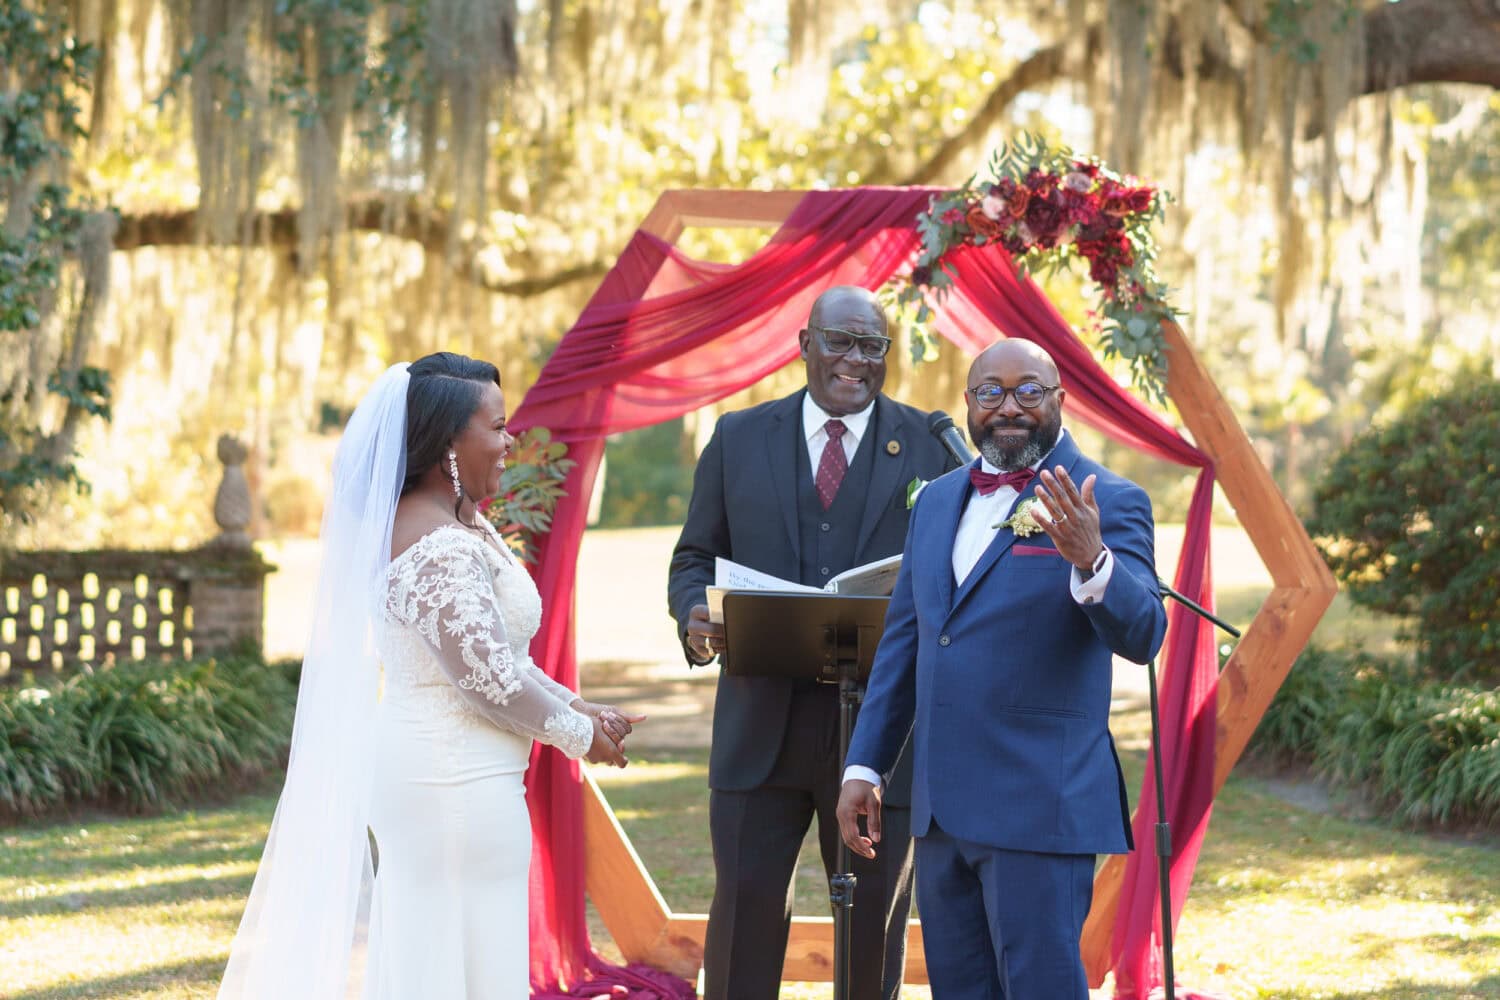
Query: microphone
x=941, y=426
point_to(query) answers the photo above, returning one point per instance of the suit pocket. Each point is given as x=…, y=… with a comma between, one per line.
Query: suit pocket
x=1033, y=550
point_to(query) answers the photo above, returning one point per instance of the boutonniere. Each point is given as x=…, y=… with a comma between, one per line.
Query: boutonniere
x=914, y=487
x=1023, y=522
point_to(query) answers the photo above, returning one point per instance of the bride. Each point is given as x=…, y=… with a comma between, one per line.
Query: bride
x=413, y=580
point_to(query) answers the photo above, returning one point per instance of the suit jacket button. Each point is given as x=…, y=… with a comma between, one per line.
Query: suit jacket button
x=943, y=640
x=824, y=571
x=825, y=526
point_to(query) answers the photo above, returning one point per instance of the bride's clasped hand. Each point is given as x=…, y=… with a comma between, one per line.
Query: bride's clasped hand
x=611, y=726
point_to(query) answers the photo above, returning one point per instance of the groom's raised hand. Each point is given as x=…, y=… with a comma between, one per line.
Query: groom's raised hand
x=1072, y=520
x=859, y=798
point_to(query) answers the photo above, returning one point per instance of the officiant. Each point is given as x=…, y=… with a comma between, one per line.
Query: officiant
x=803, y=488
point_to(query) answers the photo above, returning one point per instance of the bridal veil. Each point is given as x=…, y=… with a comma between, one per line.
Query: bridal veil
x=302, y=933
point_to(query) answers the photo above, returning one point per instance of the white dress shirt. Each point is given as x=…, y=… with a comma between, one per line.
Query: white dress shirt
x=977, y=527
x=813, y=419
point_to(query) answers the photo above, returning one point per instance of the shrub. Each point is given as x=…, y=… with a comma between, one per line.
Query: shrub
x=1431, y=751
x=1406, y=518
x=1312, y=695
x=143, y=735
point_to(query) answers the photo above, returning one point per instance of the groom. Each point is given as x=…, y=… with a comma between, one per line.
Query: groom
x=996, y=658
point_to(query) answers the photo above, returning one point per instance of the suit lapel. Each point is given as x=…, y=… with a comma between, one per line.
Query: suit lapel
x=1003, y=540
x=1065, y=454
x=885, y=468
x=948, y=499
x=783, y=438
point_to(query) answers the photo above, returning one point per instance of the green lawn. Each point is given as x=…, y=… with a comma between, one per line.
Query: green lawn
x=126, y=907
x=1288, y=903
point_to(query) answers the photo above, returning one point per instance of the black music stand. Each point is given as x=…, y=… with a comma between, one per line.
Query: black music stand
x=811, y=636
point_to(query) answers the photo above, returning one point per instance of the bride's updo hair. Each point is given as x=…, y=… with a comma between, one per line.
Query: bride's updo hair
x=441, y=396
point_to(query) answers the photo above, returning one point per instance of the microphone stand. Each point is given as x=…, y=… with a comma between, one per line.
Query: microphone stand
x=1164, y=828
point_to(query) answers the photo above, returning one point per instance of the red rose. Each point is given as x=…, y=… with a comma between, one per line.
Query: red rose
x=1048, y=217
x=1080, y=206
x=1105, y=273
x=1016, y=201
x=1139, y=199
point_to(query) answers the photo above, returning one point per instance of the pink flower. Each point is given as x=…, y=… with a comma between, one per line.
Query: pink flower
x=993, y=206
x=952, y=217
x=1078, y=181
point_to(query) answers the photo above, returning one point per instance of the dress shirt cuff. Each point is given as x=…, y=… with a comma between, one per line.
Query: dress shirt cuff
x=1091, y=591
x=862, y=773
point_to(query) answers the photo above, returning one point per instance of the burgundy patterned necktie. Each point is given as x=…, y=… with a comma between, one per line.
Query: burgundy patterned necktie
x=833, y=464
x=988, y=482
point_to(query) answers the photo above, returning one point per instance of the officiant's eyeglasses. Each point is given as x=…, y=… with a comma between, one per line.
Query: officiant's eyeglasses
x=837, y=341
x=990, y=396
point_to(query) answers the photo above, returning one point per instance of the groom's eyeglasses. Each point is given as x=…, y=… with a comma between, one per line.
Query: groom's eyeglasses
x=990, y=396
x=836, y=341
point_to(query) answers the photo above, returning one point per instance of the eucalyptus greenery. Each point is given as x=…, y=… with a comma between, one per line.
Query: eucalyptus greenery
x=1086, y=217
x=530, y=487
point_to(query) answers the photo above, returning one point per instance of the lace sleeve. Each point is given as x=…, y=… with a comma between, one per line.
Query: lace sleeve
x=447, y=594
x=561, y=691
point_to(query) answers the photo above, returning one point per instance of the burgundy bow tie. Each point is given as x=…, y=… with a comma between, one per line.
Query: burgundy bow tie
x=988, y=482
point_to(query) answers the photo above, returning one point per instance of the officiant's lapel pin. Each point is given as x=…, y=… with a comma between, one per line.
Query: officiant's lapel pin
x=893, y=447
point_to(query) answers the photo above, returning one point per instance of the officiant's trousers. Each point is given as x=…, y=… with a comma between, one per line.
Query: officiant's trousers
x=757, y=835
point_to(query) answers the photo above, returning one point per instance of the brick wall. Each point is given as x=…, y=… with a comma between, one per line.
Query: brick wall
x=58, y=609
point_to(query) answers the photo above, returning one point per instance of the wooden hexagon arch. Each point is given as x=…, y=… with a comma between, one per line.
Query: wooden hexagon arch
x=646, y=929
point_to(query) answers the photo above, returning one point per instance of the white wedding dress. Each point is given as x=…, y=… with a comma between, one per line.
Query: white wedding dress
x=461, y=706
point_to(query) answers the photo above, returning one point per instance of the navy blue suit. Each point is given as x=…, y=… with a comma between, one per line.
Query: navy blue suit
x=1004, y=683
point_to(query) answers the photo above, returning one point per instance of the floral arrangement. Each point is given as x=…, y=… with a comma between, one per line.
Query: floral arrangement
x=1023, y=522
x=530, y=487
x=1045, y=206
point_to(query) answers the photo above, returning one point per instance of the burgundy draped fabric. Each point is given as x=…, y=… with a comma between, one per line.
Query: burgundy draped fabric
x=664, y=335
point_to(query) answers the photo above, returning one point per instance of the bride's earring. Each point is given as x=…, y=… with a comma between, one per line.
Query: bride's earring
x=458, y=487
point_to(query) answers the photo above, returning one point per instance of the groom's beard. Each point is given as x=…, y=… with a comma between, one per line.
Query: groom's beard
x=1009, y=456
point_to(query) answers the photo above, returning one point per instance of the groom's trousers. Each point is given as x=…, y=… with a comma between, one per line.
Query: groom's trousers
x=999, y=924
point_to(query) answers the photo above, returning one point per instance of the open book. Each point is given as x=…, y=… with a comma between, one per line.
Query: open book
x=873, y=579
